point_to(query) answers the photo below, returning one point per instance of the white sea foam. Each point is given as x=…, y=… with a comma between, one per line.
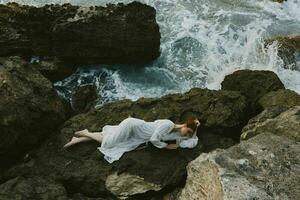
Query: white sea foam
x=202, y=41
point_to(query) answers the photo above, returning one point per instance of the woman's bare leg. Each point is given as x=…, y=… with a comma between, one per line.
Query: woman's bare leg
x=93, y=135
x=79, y=133
x=76, y=140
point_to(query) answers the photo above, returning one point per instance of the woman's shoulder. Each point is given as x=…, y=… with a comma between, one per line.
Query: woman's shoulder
x=166, y=122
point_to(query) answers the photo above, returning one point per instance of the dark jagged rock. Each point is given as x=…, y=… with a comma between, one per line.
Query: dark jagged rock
x=282, y=97
x=68, y=108
x=263, y=167
x=288, y=50
x=140, y=173
x=253, y=85
x=54, y=69
x=30, y=109
x=32, y=188
x=79, y=196
x=83, y=99
x=212, y=141
x=116, y=34
x=279, y=1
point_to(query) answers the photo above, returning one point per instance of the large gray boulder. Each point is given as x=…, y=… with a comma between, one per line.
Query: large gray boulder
x=115, y=34
x=276, y=121
x=263, y=167
x=141, y=173
x=30, y=109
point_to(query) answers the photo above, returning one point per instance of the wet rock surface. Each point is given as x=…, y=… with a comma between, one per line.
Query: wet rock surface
x=263, y=167
x=288, y=50
x=32, y=188
x=142, y=173
x=83, y=98
x=30, y=109
x=279, y=1
x=282, y=97
x=116, y=34
x=54, y=69
x=276, y=121
x=253, y=85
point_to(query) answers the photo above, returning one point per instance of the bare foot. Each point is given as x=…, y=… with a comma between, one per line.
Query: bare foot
x=81, y=133
x=73, y=141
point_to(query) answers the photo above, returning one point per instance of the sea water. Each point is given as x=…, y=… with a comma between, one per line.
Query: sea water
x=202, y=41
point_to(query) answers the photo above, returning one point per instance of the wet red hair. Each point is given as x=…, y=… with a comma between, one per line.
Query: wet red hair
x=190, y=122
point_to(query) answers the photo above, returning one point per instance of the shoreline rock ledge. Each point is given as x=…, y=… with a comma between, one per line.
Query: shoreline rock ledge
x=264, y=167
x=140, y=174
x=30, y=109
x=115, y=34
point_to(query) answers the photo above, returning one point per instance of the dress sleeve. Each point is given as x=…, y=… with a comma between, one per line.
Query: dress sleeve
x=163, y=127
x=188, y=143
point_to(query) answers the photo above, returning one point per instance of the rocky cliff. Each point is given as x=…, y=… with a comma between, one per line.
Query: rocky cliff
x=248, y=147
x=116, y=34
x=253, y=166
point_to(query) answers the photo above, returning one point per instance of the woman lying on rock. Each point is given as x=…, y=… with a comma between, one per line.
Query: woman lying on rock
x=131, y=132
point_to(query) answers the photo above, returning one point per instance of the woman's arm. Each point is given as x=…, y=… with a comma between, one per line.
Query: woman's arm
x=172, y=146
x=188, y=143
x=163, y=128
x=155, y=140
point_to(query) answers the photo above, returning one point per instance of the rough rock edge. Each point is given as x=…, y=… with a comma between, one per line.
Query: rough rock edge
x=136, y=41
x=256, y=126
x=125, y=185
x=223, y=191
x=236, y=167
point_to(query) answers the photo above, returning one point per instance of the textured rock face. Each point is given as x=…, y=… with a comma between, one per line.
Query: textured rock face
x=83, y=98
x=263, y=167
x=32, y=188
x=30, y=108
x=253, y=85
x=125, y=185
x=223, y=110
x=286, y=98
x=289, y=50
x=274, y=121
x=54, y=69
x=203, y=181
x=116, y=34
x=139, y=173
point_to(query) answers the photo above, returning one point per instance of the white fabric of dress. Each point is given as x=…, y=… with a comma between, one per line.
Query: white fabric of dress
x=132, y=132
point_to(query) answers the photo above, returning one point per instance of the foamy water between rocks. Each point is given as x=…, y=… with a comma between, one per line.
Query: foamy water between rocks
x=202, y=41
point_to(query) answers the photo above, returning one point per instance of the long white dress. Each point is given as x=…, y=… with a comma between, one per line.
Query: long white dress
x=131, y=132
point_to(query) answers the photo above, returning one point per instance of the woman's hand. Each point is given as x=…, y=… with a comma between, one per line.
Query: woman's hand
x=197, y=122
x=172, y=146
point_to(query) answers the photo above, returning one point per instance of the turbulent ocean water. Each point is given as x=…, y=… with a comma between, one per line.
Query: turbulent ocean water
x=202, y=41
